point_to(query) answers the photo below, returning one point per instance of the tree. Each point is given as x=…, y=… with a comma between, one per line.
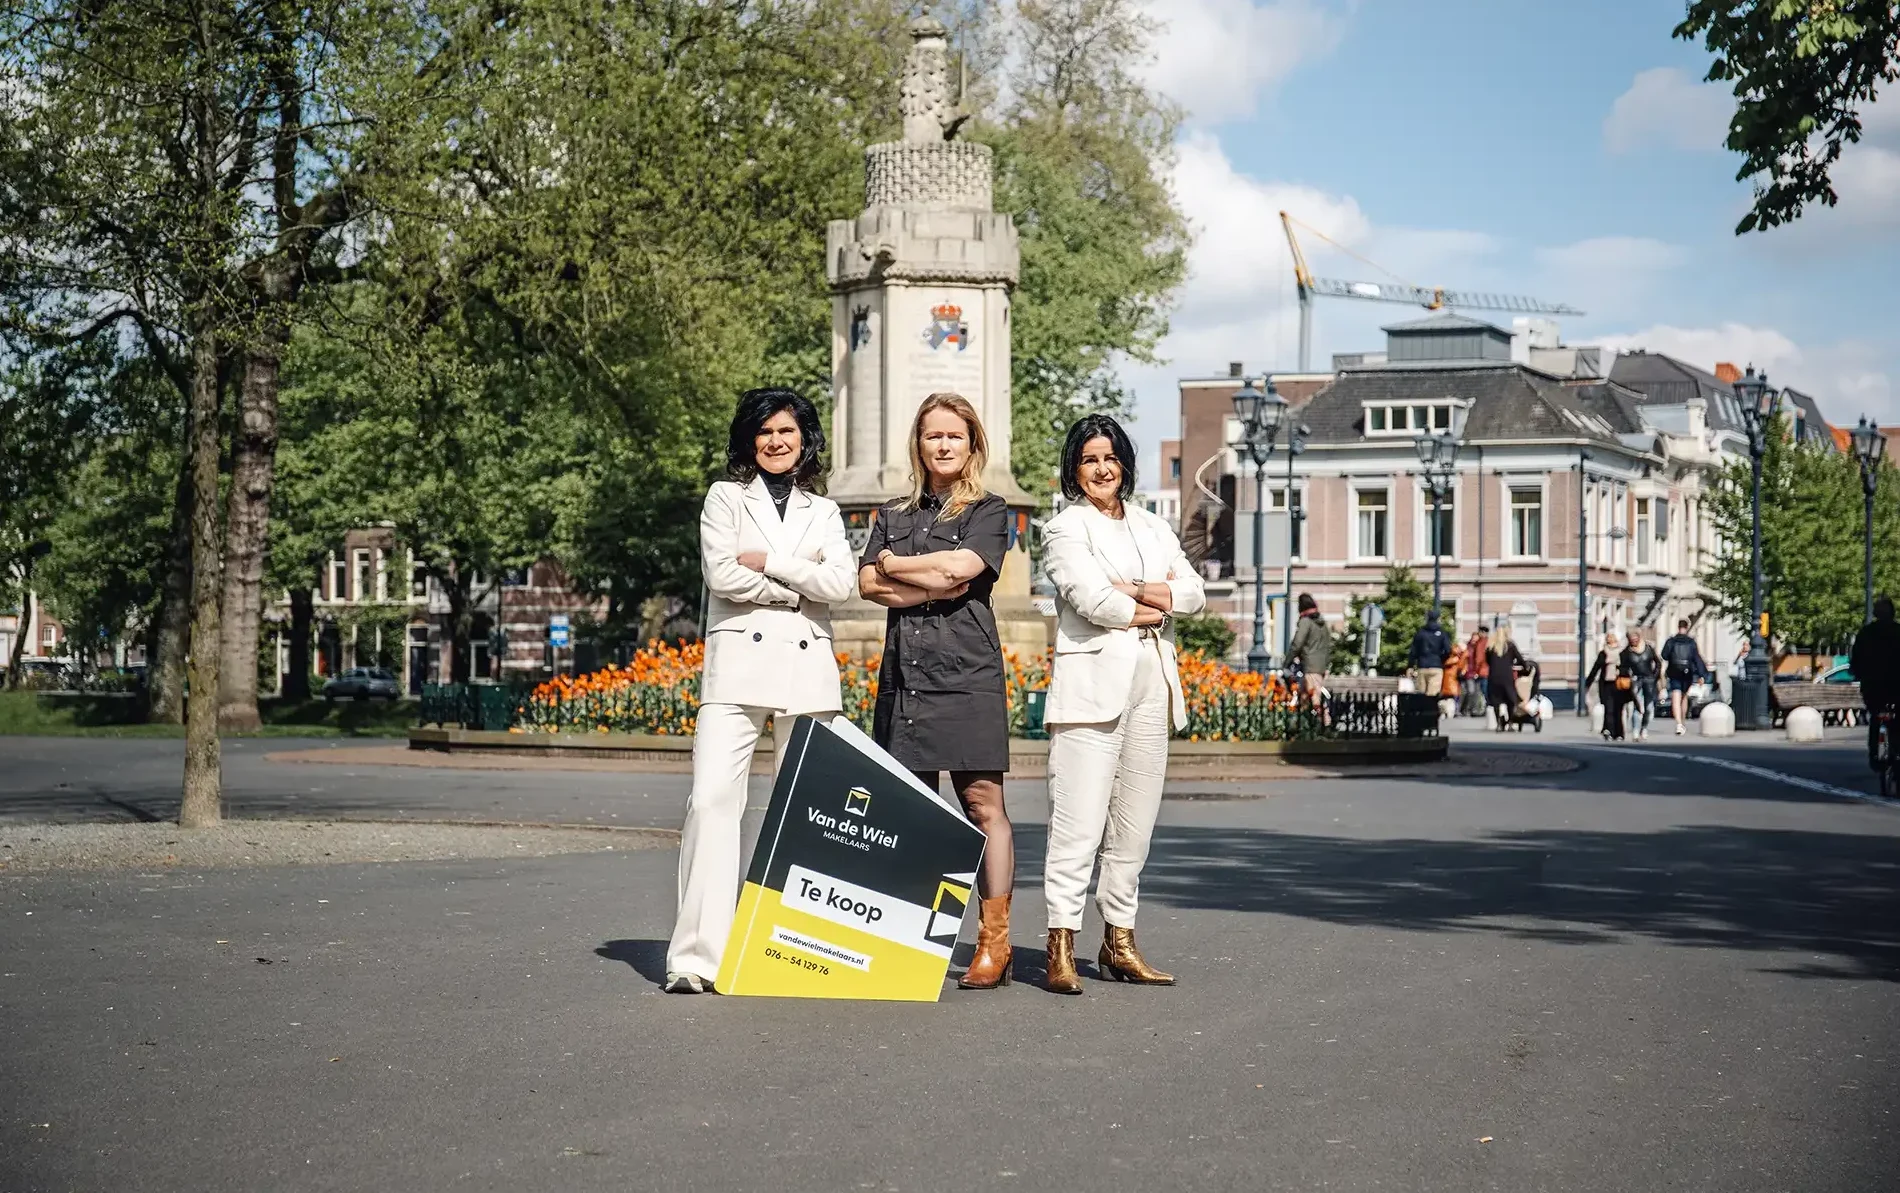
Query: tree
x=1083, y=149
x=1803, y=72
x=1812, y=564
x=1405, y=602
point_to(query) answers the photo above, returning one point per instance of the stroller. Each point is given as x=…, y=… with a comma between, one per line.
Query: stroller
x=1529, y=709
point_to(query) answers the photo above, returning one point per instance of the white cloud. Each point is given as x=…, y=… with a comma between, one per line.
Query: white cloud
x=1847, y=378
x=1217, y=57
x=1605, y=274
x=1666, y=107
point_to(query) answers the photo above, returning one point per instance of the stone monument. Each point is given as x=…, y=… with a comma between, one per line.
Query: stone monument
x=920, y=285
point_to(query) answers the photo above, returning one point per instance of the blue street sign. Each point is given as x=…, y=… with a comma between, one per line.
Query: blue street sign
x=557, y=629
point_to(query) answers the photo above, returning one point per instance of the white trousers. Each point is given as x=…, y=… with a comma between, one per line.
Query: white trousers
x=1104, y=794
x=723, y=741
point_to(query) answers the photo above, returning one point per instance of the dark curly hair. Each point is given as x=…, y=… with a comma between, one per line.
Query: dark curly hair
x=1097, y=426
x=757, y=405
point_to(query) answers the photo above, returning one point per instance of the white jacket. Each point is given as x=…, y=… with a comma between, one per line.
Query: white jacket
x=768, y=634
x=1096, y=648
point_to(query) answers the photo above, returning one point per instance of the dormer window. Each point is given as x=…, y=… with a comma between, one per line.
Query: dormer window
x=1410, y=418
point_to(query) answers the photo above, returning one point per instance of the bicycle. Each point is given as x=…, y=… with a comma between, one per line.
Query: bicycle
x=1886, y=765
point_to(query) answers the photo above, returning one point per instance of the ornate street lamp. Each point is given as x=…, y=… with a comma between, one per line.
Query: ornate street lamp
x=1438, y=458
x=1761, y=413
x=1296, y=436
x=1260, y=412
x=1869, y=446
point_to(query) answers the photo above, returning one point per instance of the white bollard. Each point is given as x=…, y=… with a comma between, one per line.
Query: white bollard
x=1804, y=724
x=1717, y=720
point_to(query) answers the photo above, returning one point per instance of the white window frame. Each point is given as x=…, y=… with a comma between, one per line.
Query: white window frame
x=1422, y=522
x=339, y=578
x=1644, y=531
x=382, y=574
x=1382, y=485
x=1437, y=414
x=1507, y=546
x=361, y=571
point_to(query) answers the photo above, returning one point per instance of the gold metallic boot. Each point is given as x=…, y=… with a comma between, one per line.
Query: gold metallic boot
x=1121, y=960
x=1062, y=978
x=991, y=964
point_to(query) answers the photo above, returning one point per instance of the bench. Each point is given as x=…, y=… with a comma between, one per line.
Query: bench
x=1370, y=685
x=1838, y=703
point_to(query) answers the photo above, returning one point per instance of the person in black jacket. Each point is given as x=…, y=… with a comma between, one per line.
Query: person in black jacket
x=1875, y=662
x=1612, y=695
x=1431, y=647
x=1682, y=668
x=1643, y=665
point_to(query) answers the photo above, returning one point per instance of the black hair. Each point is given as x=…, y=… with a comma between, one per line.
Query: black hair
x=757, y=405
x=1097, y=426
x=1308, y=604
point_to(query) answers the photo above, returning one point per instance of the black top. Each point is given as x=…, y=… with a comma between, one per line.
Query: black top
x=1875, y=662
x=779, y=485
x=940, y=653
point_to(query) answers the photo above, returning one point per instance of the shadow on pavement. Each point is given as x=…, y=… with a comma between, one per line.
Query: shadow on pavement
x=1834, y=896
x=646, y=957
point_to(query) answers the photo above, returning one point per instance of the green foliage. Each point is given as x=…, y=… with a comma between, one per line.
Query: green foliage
x=1803, y=72
x=1208, y=633
x=1813, y=513
x=38, y=715
x=1405, y=602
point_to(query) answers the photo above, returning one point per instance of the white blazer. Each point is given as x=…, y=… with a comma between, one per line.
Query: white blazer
x=1096, y=647
x=768, y=634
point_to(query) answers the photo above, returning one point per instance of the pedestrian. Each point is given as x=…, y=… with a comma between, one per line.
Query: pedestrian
x=1502, y=665
x=1875, y=662
x=1644, y=667
x=1613, y=686
x=1312, y=645
x=1477, y=668
x=1431, y=649
x=1683, y=668
x=1447, y=692
x=1114, y=696
x=775, y=559
x=931, y=561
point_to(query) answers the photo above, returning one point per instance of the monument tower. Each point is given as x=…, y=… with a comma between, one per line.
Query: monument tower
x=920, y=285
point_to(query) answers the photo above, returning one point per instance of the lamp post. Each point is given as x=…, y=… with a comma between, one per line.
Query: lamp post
x=1438, y=454
x=1260, y=412
x=1761, y=408
x=1295, y=445
x=1868, y=447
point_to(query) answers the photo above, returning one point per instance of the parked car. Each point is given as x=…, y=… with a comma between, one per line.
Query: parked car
x=363, y=683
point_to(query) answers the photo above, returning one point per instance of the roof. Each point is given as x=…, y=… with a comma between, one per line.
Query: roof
x=1508, y=401
x=1814, y=427
x=1445, y=321
x=1664, y=379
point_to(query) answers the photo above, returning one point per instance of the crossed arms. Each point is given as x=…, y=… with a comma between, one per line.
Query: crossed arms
x=901, y=581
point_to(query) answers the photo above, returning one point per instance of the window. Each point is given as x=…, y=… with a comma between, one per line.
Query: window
x=1276, y=500
x=362, y=589
x=382, y=574
x=1409, y=419
x=1174, y=468
x=1527, y=521
x=1372, y=527
x=418, y=580
x=1441, y=536
x=1642, y=532
x=339, y=579
x=49, y=638
x=1375, y=419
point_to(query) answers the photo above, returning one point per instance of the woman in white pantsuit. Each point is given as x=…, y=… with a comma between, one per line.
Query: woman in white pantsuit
x=775, y=560
x=1114, y=696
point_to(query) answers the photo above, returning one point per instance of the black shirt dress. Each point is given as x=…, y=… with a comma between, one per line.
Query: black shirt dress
x=941, y=702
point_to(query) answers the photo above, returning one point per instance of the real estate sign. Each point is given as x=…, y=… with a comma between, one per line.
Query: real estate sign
x=859, y=882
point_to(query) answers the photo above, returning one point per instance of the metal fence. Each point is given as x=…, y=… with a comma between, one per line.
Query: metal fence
x=494, y=707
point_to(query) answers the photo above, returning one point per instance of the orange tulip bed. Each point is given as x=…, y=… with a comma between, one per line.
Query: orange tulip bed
x=657, y=692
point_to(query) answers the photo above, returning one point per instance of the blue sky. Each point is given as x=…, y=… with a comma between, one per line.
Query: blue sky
x=1562, y=150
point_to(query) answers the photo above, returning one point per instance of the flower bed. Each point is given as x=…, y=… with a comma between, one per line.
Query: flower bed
x=658, y=692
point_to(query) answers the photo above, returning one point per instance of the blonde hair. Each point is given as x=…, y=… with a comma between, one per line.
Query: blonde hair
x=968, y=488
x=1501, y=637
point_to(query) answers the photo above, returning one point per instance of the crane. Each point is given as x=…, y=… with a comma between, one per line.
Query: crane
x=1432, y=298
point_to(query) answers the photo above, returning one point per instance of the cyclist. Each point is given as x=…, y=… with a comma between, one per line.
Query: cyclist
x=1682, y=666
x=1875, y=663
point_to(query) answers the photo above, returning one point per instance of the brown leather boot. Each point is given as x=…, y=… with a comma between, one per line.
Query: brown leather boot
x=1121, y=960
x=1062, y=978
x=992, y=962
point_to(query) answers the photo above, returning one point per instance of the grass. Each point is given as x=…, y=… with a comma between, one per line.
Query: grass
x=42, y=715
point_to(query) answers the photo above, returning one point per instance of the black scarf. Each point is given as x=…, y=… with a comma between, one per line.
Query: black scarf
x=779, y=485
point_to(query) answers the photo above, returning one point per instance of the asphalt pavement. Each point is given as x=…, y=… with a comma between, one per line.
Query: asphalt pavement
x=1652, y=972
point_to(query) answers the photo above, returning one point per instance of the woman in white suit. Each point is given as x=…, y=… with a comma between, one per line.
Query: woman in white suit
x=1114, y=696
x=775, y=559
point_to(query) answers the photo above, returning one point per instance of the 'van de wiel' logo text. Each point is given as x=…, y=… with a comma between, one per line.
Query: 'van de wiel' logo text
x=855, y=829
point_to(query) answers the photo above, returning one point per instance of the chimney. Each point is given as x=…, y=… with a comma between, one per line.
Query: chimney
x=1236, y=367
x=1727, y=373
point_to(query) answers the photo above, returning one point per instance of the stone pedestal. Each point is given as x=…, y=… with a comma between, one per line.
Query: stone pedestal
x=920, y=284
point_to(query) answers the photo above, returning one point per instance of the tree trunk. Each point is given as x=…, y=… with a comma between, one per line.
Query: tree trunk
x=247, y=535
x=165, y=668
x=458, y=594
x=302, y=612
x=23, y=626
x=201, y=806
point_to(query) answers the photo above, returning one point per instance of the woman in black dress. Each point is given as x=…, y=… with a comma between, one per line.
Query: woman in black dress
x=931, y=560
x=1605, y=673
